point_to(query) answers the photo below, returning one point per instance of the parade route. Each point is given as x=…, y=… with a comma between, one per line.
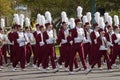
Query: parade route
x=34, y=74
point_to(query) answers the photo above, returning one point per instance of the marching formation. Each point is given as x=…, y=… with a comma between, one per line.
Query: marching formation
x=76, y=40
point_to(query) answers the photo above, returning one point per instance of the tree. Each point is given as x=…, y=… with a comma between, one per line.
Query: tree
x=5, y=7
x=111, y=6
x=57, y=6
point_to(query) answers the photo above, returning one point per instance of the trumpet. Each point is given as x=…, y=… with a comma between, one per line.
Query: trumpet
x=1, y=43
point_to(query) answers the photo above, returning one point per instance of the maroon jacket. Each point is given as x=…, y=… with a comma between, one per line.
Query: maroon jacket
x=45, y=37
x=74, y=34
x=10, y=36
x=107, y=36
x=114, y=37
x=93, y=37
x=61, y=36
x=15, y=35
x=99, y=42
x=35, y=35
x=38, y=38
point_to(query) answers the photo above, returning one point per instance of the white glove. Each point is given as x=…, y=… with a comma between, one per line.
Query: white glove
x=41, y=43
x=95, y=41
x=11, y=43
x=106, y=48
x=71, y=42
x=103, y=48
x=49, y=41
x=78, y=39
x=103, y=38
x=53, y=39
x=87, y=41
x=64, y=41
x=117, y=40
x=110, y=44
x=21, y=40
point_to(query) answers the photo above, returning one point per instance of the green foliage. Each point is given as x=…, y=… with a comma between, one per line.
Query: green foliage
x=5, y=7
x=112, y=13
x=109, y=4
x=57, y=6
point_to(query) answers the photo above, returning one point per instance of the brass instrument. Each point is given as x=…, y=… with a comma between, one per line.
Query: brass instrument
x=109, y=51
x=107, y=46
x=1, y=43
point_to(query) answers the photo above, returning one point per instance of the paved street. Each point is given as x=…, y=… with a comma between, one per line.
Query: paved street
x=33, y=74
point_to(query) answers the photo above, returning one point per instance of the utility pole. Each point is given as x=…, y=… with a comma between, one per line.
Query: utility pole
x=93, y=9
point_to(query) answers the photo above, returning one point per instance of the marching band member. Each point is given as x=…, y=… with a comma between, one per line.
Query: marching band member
x=4, y=38
x=77, y=35
x=11, y=35
x=108, y=36
x=50, y=40
x=72, y=26
x=94, y=35
x=116, y=40
x=61, y=57
x=35, y=46
x=65, y=48
x=63, y=42
x=0, y=56
x=11, y=38
x=1, y=44
x=30, y=40
x=101, y=24
x=19, y=45
x=87, y=44
x=40, y=42
x=15, y=47
x=20, y=42
x=5, y=47
x=108, y=33
x=103, y=47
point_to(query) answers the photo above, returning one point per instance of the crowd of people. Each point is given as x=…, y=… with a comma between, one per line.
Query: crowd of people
x=76, y=39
